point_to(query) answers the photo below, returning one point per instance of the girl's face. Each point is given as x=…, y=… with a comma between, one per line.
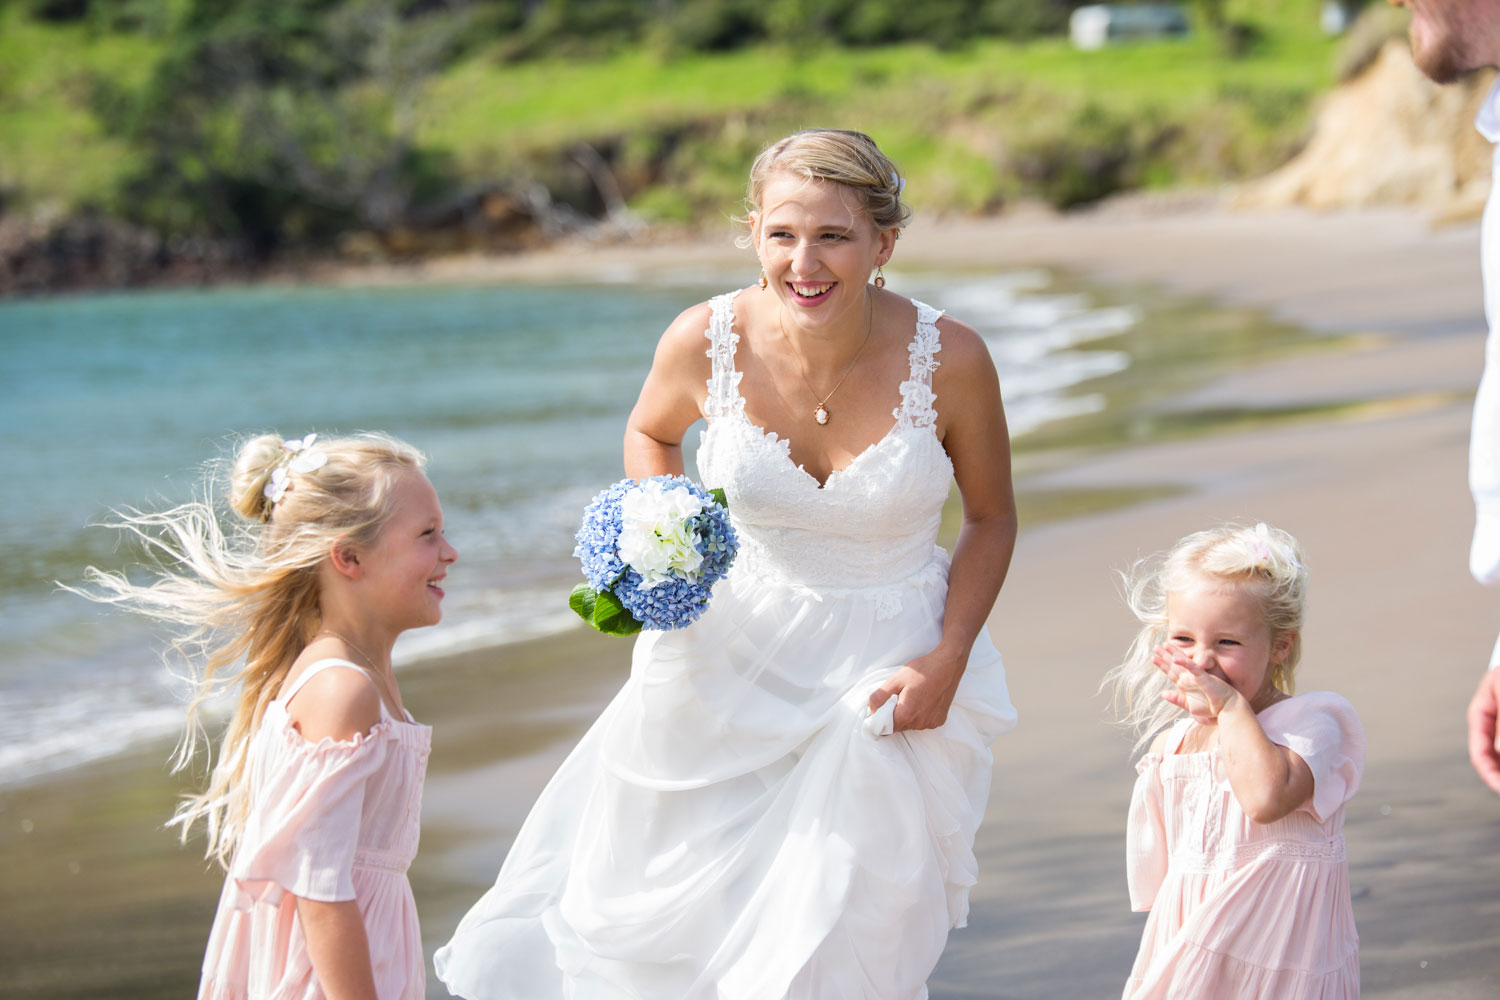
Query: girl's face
x=817, y=247
x=410, y=557
x=1222, y=629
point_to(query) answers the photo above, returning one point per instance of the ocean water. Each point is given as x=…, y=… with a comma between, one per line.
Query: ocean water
x=518, y=395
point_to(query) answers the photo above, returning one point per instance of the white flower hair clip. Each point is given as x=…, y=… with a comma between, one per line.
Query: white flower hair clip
x=899, y=183
x=1263, y=543
x=1261, y=547
x=298, y=457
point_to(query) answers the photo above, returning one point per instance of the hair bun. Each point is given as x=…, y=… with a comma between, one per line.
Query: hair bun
x=252, y=468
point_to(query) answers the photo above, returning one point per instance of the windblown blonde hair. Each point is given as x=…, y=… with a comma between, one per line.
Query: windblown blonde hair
x=243, y=595
x=1266, y=561
x=837, y=155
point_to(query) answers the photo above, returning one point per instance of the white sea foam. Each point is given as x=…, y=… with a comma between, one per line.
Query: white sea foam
x=1040, y=345
x=489, y=618
x=46, y=731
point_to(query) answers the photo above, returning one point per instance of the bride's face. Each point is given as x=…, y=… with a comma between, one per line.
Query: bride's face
x=818, y=247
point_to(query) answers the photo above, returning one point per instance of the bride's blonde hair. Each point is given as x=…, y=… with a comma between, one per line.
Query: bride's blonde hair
x=840, y=156
x=242, y=591
x=1265, y=561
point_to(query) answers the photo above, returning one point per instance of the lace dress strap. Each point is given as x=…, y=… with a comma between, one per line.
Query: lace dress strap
x=724, y=396
x=917, y=397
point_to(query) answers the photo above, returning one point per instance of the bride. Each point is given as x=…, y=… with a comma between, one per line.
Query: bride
x=782, y=800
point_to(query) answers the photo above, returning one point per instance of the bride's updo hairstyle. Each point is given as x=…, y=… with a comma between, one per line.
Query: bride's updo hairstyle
x=1265, y=561
x=843, y=157
x=236, y=574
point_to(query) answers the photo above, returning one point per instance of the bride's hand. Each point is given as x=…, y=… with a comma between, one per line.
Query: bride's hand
x=926, y=687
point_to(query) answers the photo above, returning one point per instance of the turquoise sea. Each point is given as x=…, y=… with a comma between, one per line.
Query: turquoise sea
x=518, y=394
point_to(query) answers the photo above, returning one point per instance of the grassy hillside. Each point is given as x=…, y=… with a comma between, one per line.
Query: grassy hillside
x=972, y=127
x=53, y=146
x=1182, y=111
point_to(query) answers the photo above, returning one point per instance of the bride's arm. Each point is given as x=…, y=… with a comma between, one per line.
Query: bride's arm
x=972, y=428
x=671, y=398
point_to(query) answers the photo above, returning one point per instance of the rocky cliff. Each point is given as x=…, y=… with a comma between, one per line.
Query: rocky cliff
x=1389, y=136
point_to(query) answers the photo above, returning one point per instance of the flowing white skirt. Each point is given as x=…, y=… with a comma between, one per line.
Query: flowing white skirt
x=728, y=830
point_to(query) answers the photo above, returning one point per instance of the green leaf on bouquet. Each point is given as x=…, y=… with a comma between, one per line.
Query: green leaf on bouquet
x=581, y=600
x=602, y=611
x=612, y=618
x=719, y=496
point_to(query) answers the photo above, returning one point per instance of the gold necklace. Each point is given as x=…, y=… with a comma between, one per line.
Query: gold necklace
x=369, y=660
x=821, y=414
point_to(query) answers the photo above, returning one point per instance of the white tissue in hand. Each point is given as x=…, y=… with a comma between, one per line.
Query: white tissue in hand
x=882, y=721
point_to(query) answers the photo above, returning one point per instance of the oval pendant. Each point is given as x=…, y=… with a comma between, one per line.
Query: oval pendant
x=821, y=415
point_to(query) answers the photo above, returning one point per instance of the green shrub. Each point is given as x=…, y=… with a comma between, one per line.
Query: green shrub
x=664, y=204
x=1077, y=158
x=712, y=26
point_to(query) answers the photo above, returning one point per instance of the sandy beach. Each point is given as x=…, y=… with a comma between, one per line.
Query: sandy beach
x=1376, y=492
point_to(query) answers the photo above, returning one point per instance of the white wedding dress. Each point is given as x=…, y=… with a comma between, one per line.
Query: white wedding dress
x=728, y=829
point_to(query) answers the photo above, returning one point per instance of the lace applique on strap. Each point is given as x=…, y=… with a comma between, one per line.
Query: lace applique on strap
x=917, y=397
x=724, y=397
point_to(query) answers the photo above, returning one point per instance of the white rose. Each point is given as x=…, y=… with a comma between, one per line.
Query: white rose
x=655, y=539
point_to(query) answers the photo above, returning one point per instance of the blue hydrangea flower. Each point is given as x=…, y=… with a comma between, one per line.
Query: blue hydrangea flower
x=677, y=602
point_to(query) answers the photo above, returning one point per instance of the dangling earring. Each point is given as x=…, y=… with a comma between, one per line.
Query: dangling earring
x=879, y=276
x=763, y=282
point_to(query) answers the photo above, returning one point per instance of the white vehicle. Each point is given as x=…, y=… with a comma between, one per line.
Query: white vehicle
x=1098, y=25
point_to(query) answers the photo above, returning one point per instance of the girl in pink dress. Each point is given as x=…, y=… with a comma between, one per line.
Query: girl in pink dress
x=315, y=796
x=1235, y=839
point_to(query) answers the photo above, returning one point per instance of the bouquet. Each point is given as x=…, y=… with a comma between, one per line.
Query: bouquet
x=651, y=551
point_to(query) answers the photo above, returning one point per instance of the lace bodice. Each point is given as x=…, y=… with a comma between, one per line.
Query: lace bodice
x=874, y=523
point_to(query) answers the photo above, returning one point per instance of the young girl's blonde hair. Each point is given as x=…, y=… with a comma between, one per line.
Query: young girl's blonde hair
x=841, y=156
x=1266, y=561
x=243, y=591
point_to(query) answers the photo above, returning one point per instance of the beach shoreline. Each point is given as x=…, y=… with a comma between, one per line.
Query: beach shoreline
x=1377, y=495
x=1328, y=270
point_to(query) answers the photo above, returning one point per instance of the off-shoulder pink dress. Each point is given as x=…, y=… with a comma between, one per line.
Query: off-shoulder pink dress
x=1243, y=910
x=329, y=821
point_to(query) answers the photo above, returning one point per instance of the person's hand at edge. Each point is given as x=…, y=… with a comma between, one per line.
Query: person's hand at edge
x=1484, y=753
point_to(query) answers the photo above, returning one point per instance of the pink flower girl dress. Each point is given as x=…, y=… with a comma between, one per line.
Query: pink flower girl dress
x=1242, y=910
x=329, y=821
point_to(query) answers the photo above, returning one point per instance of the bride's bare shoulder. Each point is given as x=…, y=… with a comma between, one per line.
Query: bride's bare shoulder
x=685, y=344
x=964, y=362
x=682, y=362
x=688, y=333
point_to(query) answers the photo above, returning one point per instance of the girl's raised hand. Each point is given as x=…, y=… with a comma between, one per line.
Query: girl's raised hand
x=1195, y=691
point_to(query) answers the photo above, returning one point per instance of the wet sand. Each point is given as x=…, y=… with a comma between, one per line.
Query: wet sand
x=96, y=901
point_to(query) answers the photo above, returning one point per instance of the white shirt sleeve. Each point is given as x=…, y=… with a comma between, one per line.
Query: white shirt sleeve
x=1484, y=464
x=1484, y=435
